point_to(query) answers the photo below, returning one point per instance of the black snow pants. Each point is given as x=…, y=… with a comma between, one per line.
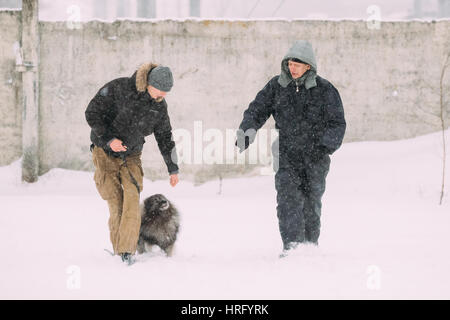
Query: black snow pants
x=299, y=199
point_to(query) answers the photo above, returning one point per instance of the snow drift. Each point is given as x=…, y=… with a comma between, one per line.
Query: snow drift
x=384, y=235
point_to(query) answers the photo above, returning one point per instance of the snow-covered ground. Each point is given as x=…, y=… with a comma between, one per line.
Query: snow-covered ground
x=384, y=235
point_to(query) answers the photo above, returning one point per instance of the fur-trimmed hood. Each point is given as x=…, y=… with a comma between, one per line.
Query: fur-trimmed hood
x=140, y=76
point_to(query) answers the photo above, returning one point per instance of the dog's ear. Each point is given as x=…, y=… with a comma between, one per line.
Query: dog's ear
x=172, y=209
x=148, y=204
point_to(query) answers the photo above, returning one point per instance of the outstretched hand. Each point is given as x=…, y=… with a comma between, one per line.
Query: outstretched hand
x=241, y=146
x=174, y=180
x=244, y=139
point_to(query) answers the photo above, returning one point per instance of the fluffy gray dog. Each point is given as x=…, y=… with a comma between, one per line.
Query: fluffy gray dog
x=160, y=223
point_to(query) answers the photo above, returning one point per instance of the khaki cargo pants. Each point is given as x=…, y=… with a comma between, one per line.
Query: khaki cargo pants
x=116, y=186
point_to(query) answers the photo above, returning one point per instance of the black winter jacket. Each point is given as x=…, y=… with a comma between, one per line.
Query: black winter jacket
x=309, y=121
x=123, y=109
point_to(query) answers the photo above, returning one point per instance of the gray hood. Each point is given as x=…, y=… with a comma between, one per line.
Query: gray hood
x=303, y=51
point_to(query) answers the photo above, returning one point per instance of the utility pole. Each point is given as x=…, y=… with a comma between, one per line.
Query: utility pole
x=418, y=8
x=10, y=3
x=100, y=10
x=444, y=9
x=30, y=81
x=194, y=8
x=146, y=9
x=122, y=6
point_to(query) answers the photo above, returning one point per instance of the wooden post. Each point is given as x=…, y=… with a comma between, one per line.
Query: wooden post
x=30, y=80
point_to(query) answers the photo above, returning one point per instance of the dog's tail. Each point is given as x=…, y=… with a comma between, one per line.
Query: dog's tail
x=111, y=253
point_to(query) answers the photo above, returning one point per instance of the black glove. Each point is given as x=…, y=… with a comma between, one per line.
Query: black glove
x=246, y=144
x=319, y=152
x=244, y=139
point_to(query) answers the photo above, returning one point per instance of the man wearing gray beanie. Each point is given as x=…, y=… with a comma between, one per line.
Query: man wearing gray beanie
x=161, y=78
x=122, y=113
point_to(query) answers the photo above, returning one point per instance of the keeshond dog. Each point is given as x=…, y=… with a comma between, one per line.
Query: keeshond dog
x=160, y=223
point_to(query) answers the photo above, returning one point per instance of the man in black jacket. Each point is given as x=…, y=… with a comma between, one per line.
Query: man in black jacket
x=309, y=116
x=121, y=115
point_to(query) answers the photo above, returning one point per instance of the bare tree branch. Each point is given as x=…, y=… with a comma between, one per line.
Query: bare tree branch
x=253, y=9
x=443, y=125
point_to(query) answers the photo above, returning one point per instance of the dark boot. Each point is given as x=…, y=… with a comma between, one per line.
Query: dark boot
x=127, y=258
x=288, y=248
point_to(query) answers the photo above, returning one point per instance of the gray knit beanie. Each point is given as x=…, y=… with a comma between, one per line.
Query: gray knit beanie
x=161, y=78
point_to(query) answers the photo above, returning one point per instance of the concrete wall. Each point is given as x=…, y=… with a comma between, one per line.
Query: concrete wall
x=388, y=78
x=10, y=88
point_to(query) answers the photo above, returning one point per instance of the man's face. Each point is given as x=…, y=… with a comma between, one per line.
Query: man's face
x=297, y=69
x=156, y=94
